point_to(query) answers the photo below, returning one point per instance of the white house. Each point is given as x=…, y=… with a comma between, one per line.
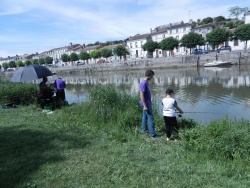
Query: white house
x=247, y=17
x=135, y=43
x=176, y=30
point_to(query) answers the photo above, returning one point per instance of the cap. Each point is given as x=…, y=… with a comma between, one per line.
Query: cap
x=169, y=91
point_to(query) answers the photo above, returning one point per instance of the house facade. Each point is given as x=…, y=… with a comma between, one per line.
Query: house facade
x=247, y=17
x=176, y=30
x=135, y=43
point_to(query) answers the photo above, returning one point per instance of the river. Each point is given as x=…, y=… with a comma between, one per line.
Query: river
x=204, y=94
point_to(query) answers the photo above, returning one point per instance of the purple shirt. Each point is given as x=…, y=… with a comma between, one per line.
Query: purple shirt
x=144, y=87
x=59, y=84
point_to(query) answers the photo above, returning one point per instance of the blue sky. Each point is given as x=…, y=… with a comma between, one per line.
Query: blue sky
x=29, y=26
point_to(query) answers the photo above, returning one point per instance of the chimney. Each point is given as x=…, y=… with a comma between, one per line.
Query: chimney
x=16, y=55
x=71, y=44
x=150, y=30
x=36, y=53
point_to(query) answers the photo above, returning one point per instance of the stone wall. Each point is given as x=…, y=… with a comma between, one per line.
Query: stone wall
x=236, y=57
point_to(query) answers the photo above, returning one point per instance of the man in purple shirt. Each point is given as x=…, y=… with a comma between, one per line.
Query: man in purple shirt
x=60, y=86
x=146, y=103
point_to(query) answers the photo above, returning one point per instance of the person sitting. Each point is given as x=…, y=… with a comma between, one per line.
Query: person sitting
x=45, y=90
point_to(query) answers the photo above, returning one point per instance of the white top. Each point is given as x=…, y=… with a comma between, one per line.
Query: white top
x=169, y=105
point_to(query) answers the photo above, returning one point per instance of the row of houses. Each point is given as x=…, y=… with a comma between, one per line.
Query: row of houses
x=178, y=30
x=134, y=43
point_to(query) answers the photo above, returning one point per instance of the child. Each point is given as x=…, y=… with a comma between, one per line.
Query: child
x=169, y=113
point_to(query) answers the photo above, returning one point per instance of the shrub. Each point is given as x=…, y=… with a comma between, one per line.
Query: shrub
x=22, y=91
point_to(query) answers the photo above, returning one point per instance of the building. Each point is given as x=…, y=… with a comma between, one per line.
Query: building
x=247, y=17
x=135, y=43
x=176, y=30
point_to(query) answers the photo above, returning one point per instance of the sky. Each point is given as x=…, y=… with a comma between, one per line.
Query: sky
x=30, y=26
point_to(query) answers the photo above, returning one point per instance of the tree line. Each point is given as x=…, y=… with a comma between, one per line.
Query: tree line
x=42, y=61
x=119, y=51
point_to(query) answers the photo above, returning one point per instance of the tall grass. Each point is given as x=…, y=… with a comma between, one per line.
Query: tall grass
x=23, y=91
x=222, y=140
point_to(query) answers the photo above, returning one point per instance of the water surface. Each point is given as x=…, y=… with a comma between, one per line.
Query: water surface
x=205, y=94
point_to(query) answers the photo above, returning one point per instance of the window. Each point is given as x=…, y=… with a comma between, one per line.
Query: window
x=163, y=36
x=136, y=45
x=184, y=28
x=141, y=43
x=236, y=43
x=131, y=46
x=177, y=30
x=177, y=37
x=170, y=31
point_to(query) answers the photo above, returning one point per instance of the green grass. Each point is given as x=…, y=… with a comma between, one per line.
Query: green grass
x=99, y=144
x=17, y=92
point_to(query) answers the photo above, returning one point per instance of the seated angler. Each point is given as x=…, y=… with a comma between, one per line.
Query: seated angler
x=45, y=90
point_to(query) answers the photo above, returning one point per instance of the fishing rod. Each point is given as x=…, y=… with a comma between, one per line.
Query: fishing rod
x=180, y=115
x=203, y=112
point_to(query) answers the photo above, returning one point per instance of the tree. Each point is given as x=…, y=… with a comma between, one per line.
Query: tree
x=73, y=57
x=5, y=65
x=48, y=60
x=169, y=44
x=41, y=61
x=35, y=61
x=65, y=58
x=97, y=43
x=27, y=62
x=243, y=33
x=150, y=46
x=206, y=21
x=12, y=64
x=106, y=53
x=218, y=36
x=219, y=19
x=84, y=56
x=236, y=11
x=120, y=51
x=20, y=64
x=95, y=54
x=191, y=40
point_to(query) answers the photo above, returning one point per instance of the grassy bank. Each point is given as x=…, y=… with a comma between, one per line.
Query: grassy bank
x=17, y=92
x=99, y=144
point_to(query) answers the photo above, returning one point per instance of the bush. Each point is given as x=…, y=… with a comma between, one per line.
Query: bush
x=22, y=91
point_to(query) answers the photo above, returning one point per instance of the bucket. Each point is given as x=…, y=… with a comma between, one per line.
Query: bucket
x=48, y=107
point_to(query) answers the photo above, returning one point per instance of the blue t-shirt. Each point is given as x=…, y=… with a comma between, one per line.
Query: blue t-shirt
x=144, y=87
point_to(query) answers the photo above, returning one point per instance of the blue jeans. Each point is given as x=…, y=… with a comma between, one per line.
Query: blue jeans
x=148, y=116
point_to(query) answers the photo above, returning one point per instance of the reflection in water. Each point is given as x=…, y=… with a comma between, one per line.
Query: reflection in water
x=205, y=94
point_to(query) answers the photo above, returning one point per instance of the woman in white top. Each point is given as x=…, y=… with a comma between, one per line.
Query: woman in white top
x=169, y=113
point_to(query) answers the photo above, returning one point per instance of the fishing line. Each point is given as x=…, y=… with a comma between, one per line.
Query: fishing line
x=204, y=112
